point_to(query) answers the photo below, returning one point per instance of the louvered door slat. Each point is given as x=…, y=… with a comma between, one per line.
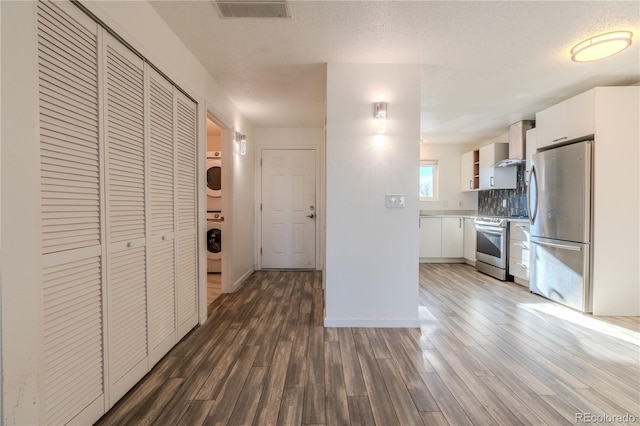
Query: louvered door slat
x=64, y=91
x=68, y=27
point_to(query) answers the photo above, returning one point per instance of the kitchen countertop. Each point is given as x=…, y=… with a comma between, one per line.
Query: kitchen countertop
x=467, y=214
x=519, y=219
x=448, y=213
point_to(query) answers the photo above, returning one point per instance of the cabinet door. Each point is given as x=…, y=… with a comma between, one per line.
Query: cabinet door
x=466, y=171
x=567, y=120
x=469, y=240
x=430, y=237
x=496, y=177
x=487, y=160
x=530, y=150
x=452, y=237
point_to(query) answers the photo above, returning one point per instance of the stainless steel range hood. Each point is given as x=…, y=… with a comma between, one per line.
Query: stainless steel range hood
x=517, y=141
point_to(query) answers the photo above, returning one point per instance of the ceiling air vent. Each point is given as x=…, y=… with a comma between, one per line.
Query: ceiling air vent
x=253, y=8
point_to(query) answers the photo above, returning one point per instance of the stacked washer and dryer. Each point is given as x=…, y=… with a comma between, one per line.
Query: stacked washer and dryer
x=215, y=218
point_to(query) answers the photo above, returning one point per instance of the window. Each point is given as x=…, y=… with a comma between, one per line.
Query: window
x=428, y=180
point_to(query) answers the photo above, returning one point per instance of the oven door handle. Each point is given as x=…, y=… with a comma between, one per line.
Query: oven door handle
x=491, y=231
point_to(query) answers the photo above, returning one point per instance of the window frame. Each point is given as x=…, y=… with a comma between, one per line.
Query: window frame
x=436, y=181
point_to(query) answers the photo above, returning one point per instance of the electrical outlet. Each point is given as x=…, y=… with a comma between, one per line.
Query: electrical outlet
x=459, y=203
x=504, y=203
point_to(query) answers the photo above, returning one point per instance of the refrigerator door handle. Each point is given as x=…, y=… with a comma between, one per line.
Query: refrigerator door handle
x=533, y=180
x=556, y=245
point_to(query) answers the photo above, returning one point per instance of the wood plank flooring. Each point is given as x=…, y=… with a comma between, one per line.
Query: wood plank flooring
x=487, y=352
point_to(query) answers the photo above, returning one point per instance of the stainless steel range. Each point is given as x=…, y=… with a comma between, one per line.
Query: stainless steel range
x=491, y=246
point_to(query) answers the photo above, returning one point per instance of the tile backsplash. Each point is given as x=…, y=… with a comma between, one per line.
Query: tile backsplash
x=490, y=200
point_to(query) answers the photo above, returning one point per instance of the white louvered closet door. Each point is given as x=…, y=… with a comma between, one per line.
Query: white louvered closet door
x=124, y=124
x=161, y=167
x=187, y=266
x=71, y=199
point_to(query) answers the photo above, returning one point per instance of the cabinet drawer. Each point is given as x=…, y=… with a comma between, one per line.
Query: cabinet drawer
x=519, y=268
x=519, y=231
x=519, y=250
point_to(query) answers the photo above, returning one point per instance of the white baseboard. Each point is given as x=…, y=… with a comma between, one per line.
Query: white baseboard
x=373, y=322
x=242, y=279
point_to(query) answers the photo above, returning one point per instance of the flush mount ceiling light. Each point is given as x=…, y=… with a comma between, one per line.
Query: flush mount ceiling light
x=601, y=46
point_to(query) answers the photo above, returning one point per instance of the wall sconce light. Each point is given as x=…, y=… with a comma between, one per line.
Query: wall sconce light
x=243, y=144
x=380, y=114
x=601, y=46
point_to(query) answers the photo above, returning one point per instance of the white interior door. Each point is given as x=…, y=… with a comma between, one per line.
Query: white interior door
x=288, y=208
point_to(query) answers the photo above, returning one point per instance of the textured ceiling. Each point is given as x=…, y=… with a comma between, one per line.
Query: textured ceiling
x=484, y=64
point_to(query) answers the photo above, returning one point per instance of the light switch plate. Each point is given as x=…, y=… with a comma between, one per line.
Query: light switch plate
x=394, y=201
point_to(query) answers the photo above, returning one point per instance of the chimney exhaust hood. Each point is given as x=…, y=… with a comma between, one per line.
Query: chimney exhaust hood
x=517, y=141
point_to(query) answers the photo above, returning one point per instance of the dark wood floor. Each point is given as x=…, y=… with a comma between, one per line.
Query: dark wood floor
x=487, y=352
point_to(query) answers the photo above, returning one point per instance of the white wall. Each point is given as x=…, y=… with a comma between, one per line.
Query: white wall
x=371, y=269
x=616, y=210
x=240, y=241
x=20, y=246
x=290, y=138
x=20, y=267
x=450, y=195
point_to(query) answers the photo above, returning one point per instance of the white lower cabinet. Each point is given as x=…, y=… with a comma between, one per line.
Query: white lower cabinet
x=519, y=252
x=441, y=238
x=430, y=237
x=469, y=241
x=452, y=237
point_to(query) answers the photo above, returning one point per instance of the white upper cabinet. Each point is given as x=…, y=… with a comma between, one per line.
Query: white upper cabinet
x=496, y=177
x=469, y=171
x=571, y=119
x=531, y=149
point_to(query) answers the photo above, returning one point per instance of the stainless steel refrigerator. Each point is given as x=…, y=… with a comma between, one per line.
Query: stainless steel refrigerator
x=560, y=215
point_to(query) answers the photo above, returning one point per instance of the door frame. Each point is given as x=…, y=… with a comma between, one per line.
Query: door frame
x=209, y=112
x=319, y=184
